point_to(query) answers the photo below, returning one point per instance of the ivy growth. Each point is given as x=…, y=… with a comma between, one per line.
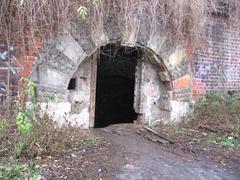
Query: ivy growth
x=83, y=11
x=27, y=112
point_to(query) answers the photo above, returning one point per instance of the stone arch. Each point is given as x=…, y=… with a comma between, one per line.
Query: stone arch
x=63, y=55
x=60, y=58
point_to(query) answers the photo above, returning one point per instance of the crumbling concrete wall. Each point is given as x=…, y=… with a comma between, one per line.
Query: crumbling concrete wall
x=153, y=96
x=74, y=106
x=157, y=101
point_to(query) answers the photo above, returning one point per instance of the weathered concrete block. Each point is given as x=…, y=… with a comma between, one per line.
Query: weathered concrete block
x=165, y=51
x=157, y=37
x=70, y=48
x=155, y=42
x=165, y=105
x=52, y=77
x=112, y=28
x=144, y=31
x=176, y=62
x=164, y=76
x=81, y=30
x=179, y=110
x=153, y=58
x=87, y=45
x=182, y=94
x=80, y=119
x=59, y=92
x=99, y=35
x=35, y=75
x=169, y=94
x=158, y=115
x=181, y=69
x=177, y=57
x=57, y=60
x=130, y=31
x=60, y=112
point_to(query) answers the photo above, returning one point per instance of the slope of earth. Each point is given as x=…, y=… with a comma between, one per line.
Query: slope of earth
x=134, y=157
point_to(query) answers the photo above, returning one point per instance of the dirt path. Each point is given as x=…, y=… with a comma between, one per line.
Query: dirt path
x=134, y=157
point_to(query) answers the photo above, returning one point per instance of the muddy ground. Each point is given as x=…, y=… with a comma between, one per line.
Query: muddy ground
x=128, y=153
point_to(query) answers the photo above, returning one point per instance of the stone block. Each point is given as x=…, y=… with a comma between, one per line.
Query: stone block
x=157, y=38
x=155, y=42
x=130, y=32
x=99, y=35
x=55, y=58
x=53, y=78
x=179, y=110
x=164, y=76
x=60, y=112
x=70, y=48
x=182, y=82
x=112, y=28
x=168, y=47
x=87, y=45
x=158, y=115
x=143, y=35
x=80, y=30
x=177, y=57
x=164, y=105
x=35, y=75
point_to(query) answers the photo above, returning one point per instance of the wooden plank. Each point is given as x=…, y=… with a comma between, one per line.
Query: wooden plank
x=208, y=128
x=155, y=138
x=93, y=87
x=158, y=134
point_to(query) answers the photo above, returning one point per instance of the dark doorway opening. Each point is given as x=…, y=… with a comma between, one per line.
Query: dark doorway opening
x=72, y=84
x=115, y=85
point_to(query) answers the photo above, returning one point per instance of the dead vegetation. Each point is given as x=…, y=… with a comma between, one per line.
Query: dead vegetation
x=212, y=131
x=48, y=150
x=46, y=139
x=219, y=112
x=181, y=18
x=36, y=139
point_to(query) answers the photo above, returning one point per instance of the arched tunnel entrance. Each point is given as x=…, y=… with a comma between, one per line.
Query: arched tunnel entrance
x=115, y=85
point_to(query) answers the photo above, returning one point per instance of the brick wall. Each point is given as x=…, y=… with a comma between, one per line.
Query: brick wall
x=216, y=62
x=16, y=61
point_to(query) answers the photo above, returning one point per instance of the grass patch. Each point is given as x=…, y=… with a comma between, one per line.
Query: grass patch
x=19, y=171
x=225, y=140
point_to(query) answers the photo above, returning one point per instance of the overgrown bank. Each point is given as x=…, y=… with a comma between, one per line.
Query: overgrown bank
x=212, y=131
x=30, y=144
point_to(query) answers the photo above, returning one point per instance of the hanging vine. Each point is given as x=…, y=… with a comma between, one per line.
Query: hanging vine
x=47, y=17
